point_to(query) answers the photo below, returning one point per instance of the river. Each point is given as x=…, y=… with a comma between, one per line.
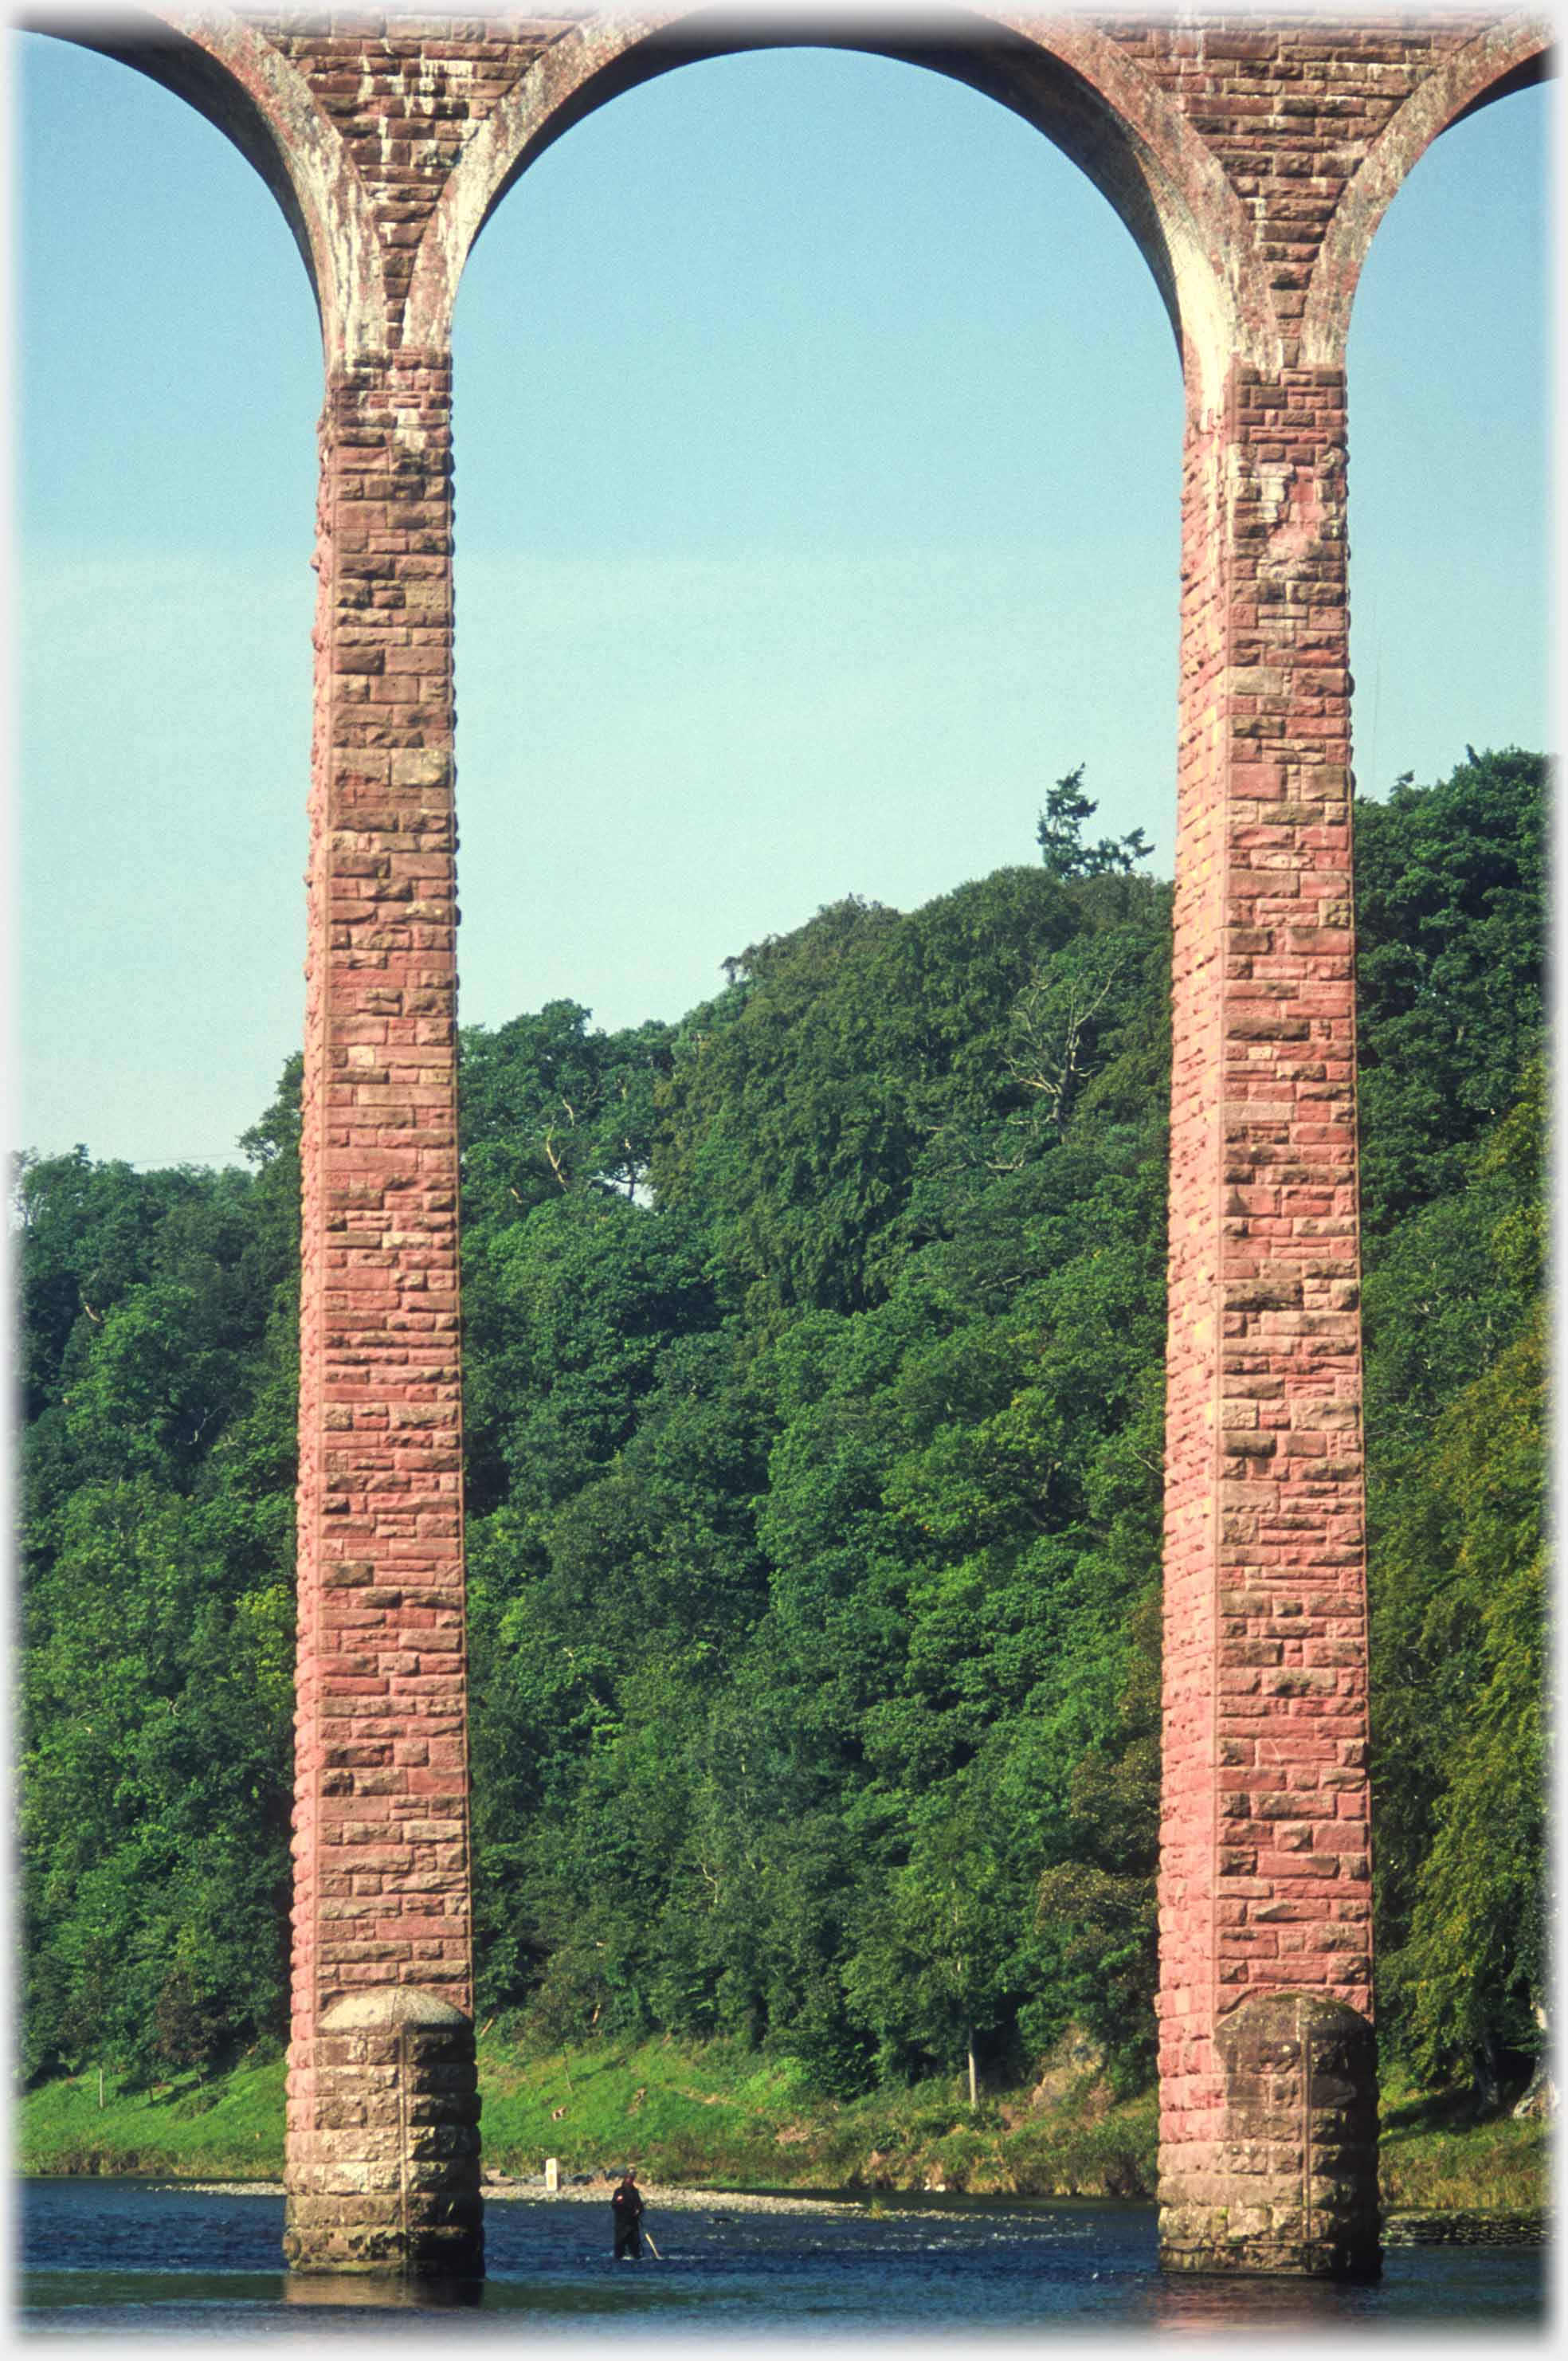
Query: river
x=132, y=2258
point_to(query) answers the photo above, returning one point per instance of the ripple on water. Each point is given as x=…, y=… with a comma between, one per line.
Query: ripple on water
x=136, y=2258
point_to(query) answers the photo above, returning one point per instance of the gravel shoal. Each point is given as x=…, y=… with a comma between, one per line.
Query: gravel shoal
x=224, y=2187
x=658, y=2199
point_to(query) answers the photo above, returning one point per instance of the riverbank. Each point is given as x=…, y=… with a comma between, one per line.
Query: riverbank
x=718, y=2117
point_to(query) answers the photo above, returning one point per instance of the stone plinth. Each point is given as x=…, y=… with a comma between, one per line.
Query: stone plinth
x=384, y=2176
x=1289, y=2187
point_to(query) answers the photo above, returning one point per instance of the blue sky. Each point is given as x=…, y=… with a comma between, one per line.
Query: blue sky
x=817, y=463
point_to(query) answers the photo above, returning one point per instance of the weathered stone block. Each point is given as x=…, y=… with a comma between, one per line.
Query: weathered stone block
x=386, y=2179
x=1300, y=2124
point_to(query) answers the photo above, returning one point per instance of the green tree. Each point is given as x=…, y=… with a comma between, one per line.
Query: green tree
x=1458, y=1569
x=548, y=1107
x=933, y=1960
x=1451, y=921
x=1061, y=835
x=814, y=1406
x=159, y=1333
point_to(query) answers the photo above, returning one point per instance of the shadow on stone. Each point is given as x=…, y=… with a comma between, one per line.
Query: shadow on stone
x=383, y=2175
x=1290, y=2188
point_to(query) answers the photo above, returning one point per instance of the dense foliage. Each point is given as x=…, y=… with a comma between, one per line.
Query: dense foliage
x=814, y=1430
x=158, y=1324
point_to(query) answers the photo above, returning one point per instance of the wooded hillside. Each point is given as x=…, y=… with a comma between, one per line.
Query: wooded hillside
x=814, y=1433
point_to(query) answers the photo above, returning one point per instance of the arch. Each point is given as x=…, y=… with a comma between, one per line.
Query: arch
x=248, y=89
x=660, y=363
x=1508, y=57
x=1066, y=80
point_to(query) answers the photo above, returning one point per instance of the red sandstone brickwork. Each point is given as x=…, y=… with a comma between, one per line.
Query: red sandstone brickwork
x=381, y=1765
x=1290, y=106
x=1251, y=161
x=1265, y=1867
x=1189, y=1848
x=405, y=89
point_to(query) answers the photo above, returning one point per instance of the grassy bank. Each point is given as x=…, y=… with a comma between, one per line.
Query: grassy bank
x=722, y=2114
x=227, y=2128
x=719, y=2115
x=1437, y=2155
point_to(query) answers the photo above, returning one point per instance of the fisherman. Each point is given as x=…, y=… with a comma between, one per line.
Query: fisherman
x=626, y=2205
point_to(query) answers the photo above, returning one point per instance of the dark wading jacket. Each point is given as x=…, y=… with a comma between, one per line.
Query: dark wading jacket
x=628, y=2205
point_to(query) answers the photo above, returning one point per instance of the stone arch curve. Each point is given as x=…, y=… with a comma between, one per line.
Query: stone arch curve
x=1068, y=81
x=1508, y=56
x=220, y=65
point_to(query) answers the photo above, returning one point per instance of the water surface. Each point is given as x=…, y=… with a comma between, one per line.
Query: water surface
x=134, y=2258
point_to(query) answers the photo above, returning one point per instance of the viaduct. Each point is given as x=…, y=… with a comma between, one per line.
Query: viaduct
x=1251, y=159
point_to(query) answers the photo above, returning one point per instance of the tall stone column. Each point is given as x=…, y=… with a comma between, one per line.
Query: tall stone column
x=383, y=2141
x=1269, y=2104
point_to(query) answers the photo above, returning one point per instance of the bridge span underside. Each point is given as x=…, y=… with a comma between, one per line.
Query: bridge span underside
x=1251, y=160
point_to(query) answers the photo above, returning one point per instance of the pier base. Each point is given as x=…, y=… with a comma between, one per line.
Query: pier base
x=383, y=2171
x=1289, y=2189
